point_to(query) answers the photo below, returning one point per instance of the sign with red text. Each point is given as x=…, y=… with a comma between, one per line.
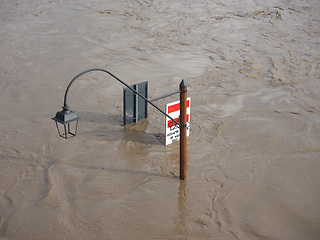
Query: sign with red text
x=172, y=129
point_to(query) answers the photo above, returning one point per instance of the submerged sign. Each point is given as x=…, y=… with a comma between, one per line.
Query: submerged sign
x=172, y=130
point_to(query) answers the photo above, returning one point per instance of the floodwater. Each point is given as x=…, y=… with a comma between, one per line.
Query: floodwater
x=252, y=69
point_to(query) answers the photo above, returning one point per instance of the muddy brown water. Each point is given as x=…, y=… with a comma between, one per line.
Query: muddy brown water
x=252, y=69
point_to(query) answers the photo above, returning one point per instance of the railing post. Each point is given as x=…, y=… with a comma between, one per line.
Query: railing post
x=183, y=130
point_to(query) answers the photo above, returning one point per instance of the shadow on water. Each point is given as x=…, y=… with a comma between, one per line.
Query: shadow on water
x=136, y=132
x=100, y=117
x=111, y=128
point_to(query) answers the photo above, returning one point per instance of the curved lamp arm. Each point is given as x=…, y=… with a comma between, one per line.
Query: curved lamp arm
x=66, y=107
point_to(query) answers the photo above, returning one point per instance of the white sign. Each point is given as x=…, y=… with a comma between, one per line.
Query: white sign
x=172, y=130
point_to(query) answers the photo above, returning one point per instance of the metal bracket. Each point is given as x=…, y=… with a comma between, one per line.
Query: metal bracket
x=134, y=106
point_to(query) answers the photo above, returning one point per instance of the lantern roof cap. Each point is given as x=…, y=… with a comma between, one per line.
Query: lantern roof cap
x=65, y=116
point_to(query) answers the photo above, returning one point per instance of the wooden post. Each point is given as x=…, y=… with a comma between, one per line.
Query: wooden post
x=183, y=130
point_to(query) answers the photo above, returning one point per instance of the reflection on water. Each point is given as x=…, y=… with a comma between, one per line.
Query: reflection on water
x=182, y=214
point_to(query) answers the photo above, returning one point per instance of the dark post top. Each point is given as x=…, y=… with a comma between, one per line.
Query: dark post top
x=183, y=85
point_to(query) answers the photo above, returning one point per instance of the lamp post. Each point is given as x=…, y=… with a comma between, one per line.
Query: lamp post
x=183, y=130
x=66, y=116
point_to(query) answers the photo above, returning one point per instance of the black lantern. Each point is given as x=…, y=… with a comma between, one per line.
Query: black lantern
x=66, y=117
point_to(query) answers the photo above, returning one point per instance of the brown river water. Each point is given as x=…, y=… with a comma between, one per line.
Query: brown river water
x=252, y=70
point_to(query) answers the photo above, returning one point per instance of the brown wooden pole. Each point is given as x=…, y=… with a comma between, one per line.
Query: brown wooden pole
x=183, y=130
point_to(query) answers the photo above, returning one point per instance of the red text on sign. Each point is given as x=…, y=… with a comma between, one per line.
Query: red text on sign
x=172, y=123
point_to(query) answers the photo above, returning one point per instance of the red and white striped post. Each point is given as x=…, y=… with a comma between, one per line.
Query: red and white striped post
x=183, y=130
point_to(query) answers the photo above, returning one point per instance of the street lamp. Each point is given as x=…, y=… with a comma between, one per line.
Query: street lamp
x=66, y=117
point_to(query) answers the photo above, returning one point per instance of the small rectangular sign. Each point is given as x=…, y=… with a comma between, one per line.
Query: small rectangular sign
x=172, y=130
